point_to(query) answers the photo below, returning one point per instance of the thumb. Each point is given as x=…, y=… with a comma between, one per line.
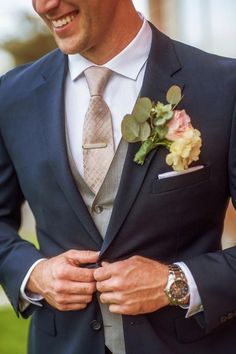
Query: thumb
x=82, y=257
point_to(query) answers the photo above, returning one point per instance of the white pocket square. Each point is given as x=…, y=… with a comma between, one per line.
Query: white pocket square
x=175, y=173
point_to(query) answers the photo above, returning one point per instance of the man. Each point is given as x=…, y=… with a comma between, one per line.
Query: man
x=100, y=281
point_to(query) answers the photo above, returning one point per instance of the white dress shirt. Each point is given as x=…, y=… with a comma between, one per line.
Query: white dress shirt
x=120, y=94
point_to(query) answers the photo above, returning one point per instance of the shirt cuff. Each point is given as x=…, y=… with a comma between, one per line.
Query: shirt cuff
x=27, y=298
x=195, y=303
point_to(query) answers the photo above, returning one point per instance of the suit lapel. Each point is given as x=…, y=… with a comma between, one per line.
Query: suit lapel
x=50, y=100
x=160, y=73
x=162, y=64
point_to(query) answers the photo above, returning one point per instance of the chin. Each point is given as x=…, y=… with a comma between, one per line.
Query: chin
x=69, y=48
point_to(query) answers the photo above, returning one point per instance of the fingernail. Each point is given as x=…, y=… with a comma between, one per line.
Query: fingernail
x=105, y=263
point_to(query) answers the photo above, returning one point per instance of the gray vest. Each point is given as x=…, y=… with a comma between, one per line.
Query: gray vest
x=100, y=207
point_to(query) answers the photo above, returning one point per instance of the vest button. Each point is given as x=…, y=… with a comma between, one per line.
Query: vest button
x=98, y=209
x=95, y=325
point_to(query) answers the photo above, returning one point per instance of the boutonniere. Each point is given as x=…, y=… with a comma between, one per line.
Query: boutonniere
x=157, y=124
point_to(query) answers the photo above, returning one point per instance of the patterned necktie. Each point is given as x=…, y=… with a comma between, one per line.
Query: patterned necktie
x=98, y=142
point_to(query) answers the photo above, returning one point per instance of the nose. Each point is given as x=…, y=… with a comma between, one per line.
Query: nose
x=44, y=6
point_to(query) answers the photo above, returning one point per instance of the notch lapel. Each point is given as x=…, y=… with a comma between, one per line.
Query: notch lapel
x=162, y=64
x=51, y=110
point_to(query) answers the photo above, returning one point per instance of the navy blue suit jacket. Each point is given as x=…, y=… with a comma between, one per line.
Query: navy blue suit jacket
x=175, y=219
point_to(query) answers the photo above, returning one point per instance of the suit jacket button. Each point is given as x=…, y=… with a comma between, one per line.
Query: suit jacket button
x=96, y=325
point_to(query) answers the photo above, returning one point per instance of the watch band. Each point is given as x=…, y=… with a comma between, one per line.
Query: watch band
x=177, y=272
x=177, y=289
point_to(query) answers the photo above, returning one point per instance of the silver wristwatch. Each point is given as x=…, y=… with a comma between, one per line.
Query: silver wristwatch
x=177, y=289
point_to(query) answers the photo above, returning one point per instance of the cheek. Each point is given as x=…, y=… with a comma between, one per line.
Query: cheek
x=44, y=6
x=34, y=4
x=37, y=5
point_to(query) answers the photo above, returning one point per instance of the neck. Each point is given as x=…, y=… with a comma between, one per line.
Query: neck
x=125, y=26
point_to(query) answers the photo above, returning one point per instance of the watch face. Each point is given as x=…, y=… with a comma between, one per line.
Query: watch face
x=179, y=289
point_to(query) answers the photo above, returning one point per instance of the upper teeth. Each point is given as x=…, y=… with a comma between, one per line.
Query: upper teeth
x=63, y=21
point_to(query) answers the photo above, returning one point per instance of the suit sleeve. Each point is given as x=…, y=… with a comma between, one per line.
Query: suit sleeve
x=215, y=273
x=16, y=254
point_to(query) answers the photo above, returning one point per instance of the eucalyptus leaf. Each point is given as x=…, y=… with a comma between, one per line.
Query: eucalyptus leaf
x=130, y=129
x=142, y=109
x=174, y=95
x=145, y=131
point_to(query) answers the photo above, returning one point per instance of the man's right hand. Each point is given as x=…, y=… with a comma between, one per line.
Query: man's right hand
x=61, y=281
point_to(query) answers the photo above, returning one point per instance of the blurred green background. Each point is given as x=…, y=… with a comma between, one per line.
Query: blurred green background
x=13, y=333
x=14, y=330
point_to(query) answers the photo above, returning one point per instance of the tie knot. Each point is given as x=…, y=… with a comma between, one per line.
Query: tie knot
x=97, y=78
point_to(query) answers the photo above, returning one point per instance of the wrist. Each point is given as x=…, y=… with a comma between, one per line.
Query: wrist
x=33, y=284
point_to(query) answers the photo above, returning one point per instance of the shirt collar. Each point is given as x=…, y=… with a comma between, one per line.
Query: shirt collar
x=128, y=62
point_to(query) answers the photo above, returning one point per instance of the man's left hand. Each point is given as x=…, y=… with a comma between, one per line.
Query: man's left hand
x=132, y=286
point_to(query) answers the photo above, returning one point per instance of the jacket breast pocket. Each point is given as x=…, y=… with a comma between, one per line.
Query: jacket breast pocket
x=181, y=181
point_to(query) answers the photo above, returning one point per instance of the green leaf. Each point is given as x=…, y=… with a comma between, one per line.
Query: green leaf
x=163, y=119
x=145, y=131
x=174, y=95
x=160, y=109
x=142, y=109
x=161, y=131
x=130, y=129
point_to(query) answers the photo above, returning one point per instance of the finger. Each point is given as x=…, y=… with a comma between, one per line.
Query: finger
x=102, y=273
x=82, y=275
x=104, y=264
x=69, y=272
x=83, y=288
x=108, y=270
x=72, y=299
x=113, y=298
x=70, y=307
x=70, y=288
x=107, y=298
x=82, y=257
x=121, y=309
x=104, y=286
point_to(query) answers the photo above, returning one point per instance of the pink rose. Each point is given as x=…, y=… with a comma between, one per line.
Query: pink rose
x=178, y=124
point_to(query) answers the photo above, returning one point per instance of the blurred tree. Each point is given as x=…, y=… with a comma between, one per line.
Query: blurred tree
x=31, y=41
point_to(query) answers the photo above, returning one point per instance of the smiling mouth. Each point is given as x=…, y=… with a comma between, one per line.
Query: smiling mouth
x=65, y=20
